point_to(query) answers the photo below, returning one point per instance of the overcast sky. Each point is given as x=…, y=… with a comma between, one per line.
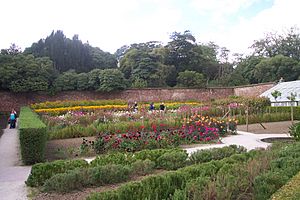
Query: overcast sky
x=109, y=24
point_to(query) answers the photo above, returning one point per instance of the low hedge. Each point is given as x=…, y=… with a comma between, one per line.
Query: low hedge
x=80, y=178
x=41, y=172
x=129, y=158
x=265, y=117
x=281, y=171
x=33, y=137
x=206, y=155
x=96, y=176
x=286, y=109
x=163, y=186
x=290, y=191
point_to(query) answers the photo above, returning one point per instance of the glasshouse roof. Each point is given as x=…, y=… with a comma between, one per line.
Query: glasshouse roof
x=285, y=88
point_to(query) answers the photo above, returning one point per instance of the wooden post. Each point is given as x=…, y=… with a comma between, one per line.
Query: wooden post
x=247, y=119
x=292, y=112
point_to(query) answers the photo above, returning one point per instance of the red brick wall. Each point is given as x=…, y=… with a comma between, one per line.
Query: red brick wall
x=252, y=90
x=10, y=100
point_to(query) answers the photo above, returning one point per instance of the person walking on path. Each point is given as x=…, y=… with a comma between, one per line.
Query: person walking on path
x=12, y=119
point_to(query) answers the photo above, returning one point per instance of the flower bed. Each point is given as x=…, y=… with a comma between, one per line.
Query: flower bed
x=197, y=129
x=61, y=107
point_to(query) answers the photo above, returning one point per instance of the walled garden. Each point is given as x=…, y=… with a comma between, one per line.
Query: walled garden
x=140, y=151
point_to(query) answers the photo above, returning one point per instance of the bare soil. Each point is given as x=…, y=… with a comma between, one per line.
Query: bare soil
x=66, y=148
x=265, y=128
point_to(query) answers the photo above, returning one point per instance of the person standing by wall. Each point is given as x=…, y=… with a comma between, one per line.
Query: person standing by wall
x=152, y=108
x=162, y=107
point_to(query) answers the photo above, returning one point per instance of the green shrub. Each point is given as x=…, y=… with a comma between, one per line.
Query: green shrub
x=108, y=174
x=154, y=154
x=40, y=172
x=206, y=155
x=129, y=158
x=264, y=117
x=290, y=191
x=80, y=178
x=172, y=160
x=114, y=158
x=33, y=137
x=179, y=195
x=143, y=167
x=161, y=186
x=195, y=187
x=295, y=131
x=266, y=184
x=68, y=181
x=284, y=167
x=285, y=109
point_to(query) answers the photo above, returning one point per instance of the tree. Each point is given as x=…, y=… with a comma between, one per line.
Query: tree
x=276, y=94
x=94, y=79
x=286, y=44
x=82, y=81
x=66, y=81
x=69, y=54
x=12, y=50
x=111, y=80
x=246, y=67
x=190, y=79
x=142, y=64
x=24, y=73
x=271, y=69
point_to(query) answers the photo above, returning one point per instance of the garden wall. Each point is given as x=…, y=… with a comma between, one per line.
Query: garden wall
x=252, y=90
x=9, y=100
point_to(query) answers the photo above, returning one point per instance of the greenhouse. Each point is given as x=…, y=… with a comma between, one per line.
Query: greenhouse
x=284, y=94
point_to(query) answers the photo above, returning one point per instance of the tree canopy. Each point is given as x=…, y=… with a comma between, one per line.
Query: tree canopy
x=58, y=63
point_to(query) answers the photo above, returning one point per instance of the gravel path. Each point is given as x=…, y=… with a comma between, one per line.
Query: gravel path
x=12, y=174
x=248, y=140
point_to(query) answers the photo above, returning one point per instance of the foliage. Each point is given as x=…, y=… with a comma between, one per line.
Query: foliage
x=281, y=170
x=24, y=73
x=206, y=155
x=276, y=94
x=80, y=178
x=41, y=172
x=69, y=54
x=172, y=160
x=129, y=158
x=33, y=137
x=161, y=186
x=190, y=79
x=295, y=131
x=143, y=167
x=66, y=81
x=271, y=69
x=290, y=191
x=111, y=80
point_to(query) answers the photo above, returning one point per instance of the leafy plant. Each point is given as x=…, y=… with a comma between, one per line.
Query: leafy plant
x=295, y=131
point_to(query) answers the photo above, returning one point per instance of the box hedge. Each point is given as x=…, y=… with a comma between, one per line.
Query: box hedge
x=41, y=172
x=290, y=191
x=33, y=137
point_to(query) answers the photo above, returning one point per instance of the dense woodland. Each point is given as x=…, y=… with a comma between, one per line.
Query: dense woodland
x=58, y=63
